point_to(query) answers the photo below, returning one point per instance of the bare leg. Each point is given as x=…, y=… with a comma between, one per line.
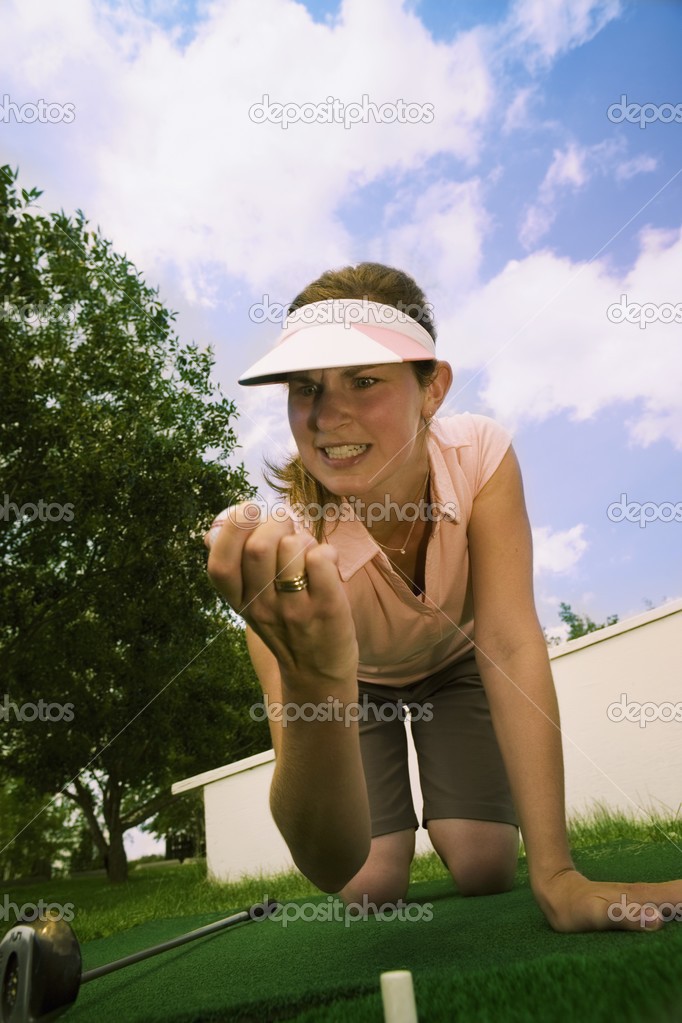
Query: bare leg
x=385, y=875
x=482, y=856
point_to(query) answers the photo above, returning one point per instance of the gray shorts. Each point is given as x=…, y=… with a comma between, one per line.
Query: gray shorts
x=461, y=770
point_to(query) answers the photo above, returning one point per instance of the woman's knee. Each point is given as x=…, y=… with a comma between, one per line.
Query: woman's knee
x=482, y=856
x=385, y=875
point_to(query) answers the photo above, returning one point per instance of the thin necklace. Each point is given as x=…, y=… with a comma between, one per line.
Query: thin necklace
x=402, y=550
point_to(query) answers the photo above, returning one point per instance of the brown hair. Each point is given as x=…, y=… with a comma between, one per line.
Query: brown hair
x=372, y=282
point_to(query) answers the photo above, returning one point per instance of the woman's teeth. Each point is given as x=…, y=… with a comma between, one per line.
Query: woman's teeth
x=345, y=451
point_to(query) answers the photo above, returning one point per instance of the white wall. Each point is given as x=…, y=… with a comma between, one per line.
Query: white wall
x=629, y=767
x=626, y=766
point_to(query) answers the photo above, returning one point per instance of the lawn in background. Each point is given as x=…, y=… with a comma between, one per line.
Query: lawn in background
x=164, y=889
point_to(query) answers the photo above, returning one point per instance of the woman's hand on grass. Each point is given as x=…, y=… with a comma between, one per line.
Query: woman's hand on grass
x=310, y=632
x=573, y=903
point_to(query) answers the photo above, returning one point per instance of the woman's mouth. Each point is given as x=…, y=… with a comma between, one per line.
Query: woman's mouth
x=345, y=450
x=343, y=455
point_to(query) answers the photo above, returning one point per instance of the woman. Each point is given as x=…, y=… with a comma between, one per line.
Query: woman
x=377, y=605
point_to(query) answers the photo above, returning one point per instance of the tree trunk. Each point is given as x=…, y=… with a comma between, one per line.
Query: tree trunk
x=113, y=851
x=84, y=799
x=116, y=861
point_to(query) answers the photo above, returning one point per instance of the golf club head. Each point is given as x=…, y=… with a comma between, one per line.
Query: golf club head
x=40, y=971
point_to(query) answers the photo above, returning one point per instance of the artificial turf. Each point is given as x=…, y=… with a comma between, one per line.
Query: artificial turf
x=479, y=959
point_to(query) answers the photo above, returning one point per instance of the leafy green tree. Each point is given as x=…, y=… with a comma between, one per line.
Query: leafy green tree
x=123, y=669
x=31, y=837
x=578, y=626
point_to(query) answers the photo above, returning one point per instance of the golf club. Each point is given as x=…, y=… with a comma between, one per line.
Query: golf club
x=41, y=964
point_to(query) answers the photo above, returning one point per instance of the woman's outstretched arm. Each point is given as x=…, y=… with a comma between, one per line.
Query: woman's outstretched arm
x=512, y=657
x=304, y=650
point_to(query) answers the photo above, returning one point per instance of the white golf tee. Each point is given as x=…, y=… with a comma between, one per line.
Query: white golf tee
x=397, y=993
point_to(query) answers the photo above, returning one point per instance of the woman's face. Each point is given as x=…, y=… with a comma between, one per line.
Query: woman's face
x=378, y=407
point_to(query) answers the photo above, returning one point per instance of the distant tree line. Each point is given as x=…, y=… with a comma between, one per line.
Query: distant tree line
x=577, y=625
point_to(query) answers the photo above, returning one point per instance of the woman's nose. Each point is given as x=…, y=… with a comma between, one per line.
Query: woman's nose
x=330, y=410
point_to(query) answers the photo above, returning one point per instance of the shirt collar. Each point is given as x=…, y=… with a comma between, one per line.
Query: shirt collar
x=353, y=542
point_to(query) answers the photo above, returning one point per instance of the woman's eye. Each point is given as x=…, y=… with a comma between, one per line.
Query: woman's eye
x=362, y=383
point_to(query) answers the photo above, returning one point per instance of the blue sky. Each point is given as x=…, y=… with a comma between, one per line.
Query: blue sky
x=522, y=209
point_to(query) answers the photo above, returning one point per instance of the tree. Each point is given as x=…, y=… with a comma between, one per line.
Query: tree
x=122, y=666
x=42, y=834
x=581, y=626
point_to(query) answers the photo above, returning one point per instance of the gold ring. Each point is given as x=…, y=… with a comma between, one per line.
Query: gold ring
x=300, y=582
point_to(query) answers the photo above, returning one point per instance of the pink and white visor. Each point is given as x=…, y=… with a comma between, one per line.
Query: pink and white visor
x=341, y=332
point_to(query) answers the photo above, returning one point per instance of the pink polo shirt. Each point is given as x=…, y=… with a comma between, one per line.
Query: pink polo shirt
x=402, y=637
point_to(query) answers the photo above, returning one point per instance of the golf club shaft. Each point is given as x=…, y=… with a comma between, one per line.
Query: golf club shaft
x=219, y=925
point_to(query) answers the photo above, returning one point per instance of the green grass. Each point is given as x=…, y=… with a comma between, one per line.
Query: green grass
x=603, y=826
x=166, y=890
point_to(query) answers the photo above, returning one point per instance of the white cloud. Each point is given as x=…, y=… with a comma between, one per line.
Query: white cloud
x=440, y=238
x=571, y=170
x=263, y=412
x=164, y=156
x=567, y=171
x=264, y=432
x=536, y=223
x=175, y=168
x=558, y=633
x=544, y=29
x=516, y=115
x=638, y=165
x=539, y=335
x=557, y=552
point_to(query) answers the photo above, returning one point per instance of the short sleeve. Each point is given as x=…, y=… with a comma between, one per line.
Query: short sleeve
x=491, y=443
